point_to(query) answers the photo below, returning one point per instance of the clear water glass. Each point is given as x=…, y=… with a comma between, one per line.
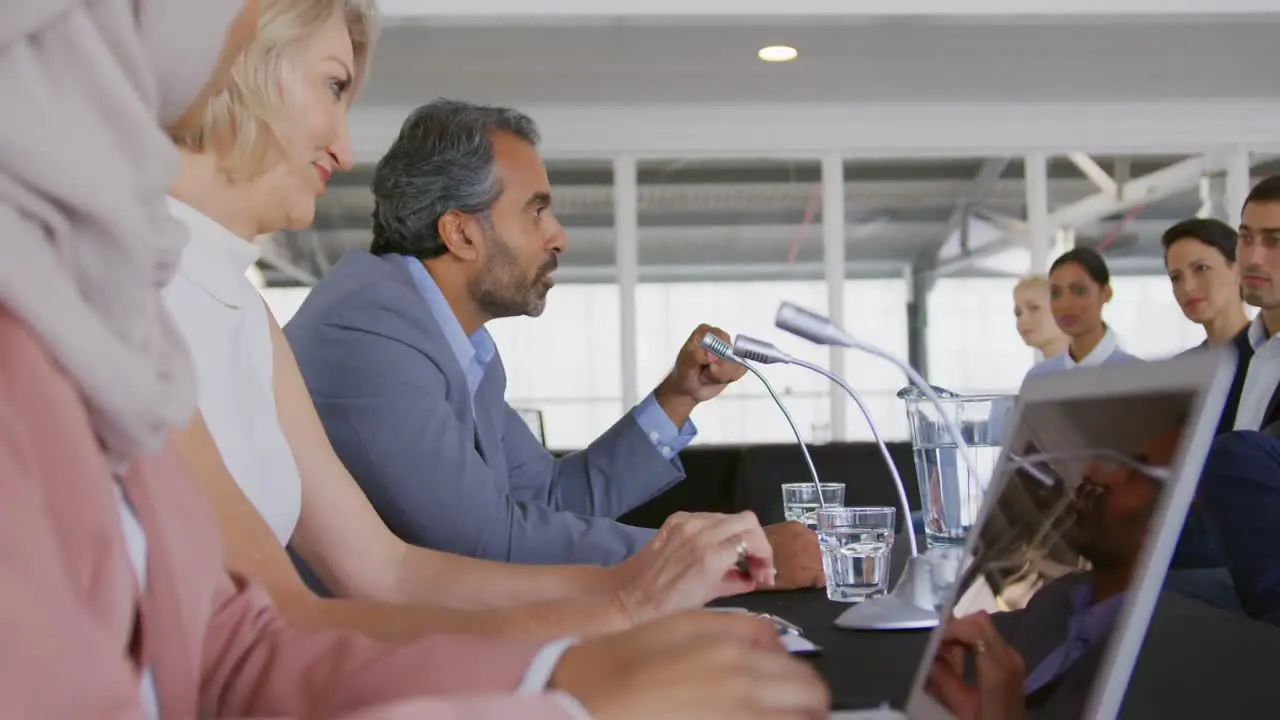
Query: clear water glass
x=951, y=491
x=800, y=500
x=856, y=544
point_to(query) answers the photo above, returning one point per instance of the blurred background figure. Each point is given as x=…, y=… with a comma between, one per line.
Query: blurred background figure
x=1079, y=286
x=1036, y=325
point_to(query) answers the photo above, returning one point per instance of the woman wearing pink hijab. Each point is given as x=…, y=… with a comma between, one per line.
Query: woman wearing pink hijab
x=115, y=601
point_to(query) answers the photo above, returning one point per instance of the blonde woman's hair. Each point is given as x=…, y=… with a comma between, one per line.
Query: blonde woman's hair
x=1032, y=282
x=247, y=114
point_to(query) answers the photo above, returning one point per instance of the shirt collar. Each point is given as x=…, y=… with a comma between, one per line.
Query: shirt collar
x=1106, y=346
x=1258, y=332
x=478, y=348
x=1089, y=621
x=216, y=259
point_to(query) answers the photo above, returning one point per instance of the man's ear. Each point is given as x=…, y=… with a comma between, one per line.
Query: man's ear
x=1106, y=293
x=460, y=232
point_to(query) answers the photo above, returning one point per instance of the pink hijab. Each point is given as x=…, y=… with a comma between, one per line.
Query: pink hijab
x=86, y=240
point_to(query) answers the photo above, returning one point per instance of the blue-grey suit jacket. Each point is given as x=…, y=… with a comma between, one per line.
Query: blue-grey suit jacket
x=395, y=404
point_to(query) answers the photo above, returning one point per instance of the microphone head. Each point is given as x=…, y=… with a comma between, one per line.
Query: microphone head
x=810, y=325
x=749, y=348
x=717, y=346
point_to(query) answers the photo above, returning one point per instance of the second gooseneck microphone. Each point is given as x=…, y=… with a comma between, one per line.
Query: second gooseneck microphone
x=724, y=351
x=766, y=353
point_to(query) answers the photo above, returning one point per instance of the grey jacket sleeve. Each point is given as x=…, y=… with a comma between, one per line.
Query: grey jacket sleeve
x=619, y=471
x=395, y=431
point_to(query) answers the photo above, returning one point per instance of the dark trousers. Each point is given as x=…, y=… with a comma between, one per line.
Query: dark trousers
x=1239, y=494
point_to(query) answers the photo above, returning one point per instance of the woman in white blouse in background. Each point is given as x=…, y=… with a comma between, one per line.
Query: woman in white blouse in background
x=1079, y=287
x=267, y=147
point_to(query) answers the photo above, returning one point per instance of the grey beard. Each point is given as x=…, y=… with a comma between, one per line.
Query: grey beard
x=498, y=295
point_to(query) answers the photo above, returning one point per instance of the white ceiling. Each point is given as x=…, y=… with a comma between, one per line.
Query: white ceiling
x=685, y=97
x=883, y=62
x=581, y=11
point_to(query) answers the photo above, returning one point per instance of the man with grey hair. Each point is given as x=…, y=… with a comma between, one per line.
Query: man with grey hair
x=410, y=386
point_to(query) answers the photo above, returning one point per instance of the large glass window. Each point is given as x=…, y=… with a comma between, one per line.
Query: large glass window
x=566, y=362
x=876, y=312
x=744, y=413
x=1147, y=319
x=973, y=343
x=667, y=313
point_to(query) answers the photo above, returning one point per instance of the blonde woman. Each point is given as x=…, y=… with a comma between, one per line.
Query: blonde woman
x=267, y=146
x=1036, y=325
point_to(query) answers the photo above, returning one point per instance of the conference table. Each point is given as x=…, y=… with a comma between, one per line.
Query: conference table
x=1196, y=661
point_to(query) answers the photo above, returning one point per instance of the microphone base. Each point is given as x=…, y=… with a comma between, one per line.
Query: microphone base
x=908, y=607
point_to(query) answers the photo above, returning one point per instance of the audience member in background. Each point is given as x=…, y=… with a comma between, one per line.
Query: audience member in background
x=1254, y=402
x=116, y=603
x=410, y=386
x=1079, y=285
x=1036, y=325
x=1240, y=486
x=256, y=165
x=1200, y=257
x=1043, y=659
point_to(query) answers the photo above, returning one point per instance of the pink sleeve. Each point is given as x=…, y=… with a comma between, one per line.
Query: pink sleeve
x=66, y=595
x=48, y=635
x=255, y=665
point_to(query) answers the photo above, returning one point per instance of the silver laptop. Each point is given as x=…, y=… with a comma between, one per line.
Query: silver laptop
x=1098, y=469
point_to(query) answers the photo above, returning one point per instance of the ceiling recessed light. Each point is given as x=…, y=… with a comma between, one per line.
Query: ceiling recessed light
x=777, y=53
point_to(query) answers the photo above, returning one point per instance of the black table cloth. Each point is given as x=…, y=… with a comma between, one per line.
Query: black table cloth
x=1196, y=662
x=732, y=478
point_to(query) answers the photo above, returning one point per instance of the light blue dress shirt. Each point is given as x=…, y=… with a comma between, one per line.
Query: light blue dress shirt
x=474, y=354
x=1088, y=624
x=1108, y=352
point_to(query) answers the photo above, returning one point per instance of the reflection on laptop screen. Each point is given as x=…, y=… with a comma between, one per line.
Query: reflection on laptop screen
x=1080, y=484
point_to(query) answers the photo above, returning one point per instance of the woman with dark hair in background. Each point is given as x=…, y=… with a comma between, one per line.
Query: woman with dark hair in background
x=1200, y=257
x=1079, y=285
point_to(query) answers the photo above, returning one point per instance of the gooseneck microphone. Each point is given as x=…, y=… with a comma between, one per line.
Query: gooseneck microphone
x=912, y=604
x=722, y=350
x=766, y=353
x=821, y=330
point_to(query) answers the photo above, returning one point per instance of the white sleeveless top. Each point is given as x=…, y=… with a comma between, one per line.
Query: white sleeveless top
x=224, y=321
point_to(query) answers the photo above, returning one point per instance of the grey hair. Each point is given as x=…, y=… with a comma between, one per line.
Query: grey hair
x=442, y=160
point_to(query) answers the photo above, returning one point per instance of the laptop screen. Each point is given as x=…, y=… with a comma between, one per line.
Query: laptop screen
x=1078, y=498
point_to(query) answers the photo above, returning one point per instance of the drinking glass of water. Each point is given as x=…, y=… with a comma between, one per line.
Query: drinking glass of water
x=856, y=543
x=799, y=500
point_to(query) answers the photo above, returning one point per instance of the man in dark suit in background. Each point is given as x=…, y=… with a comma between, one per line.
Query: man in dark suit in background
x=1042, y=660
x=1240, y=487
x=410, y=386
